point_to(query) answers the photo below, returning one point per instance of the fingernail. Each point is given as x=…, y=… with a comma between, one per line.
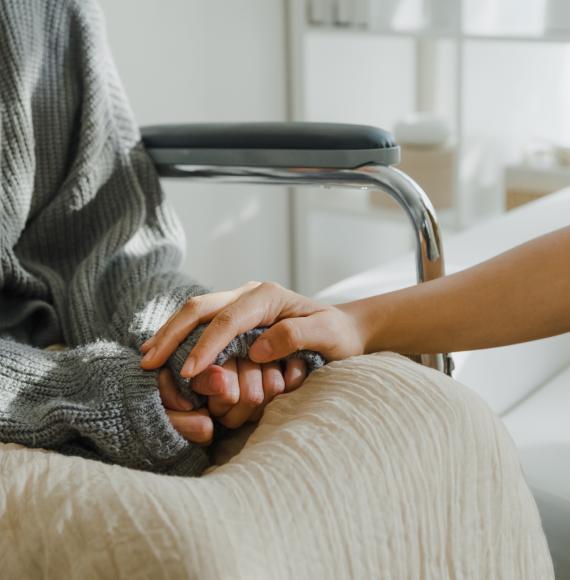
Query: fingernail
x=148, y=356
x=187, y=368
x=262, y=348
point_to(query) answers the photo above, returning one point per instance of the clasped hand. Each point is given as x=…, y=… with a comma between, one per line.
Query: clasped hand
x=237, y=392
x=240, y=390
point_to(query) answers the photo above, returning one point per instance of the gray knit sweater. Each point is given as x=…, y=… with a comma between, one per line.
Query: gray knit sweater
x=89, y=251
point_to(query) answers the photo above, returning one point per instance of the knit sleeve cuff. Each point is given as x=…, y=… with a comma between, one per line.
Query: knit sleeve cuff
x=160, y=448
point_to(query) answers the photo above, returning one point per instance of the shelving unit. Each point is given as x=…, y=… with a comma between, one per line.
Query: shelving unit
x=435, y=34
x=354, y=205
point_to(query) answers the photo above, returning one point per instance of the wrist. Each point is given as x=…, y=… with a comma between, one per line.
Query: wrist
x=373, y=319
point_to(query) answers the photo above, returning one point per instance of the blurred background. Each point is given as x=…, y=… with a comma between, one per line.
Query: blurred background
x=476, y=91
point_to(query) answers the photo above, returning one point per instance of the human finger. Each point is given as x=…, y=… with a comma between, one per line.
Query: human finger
x=186, y=318
x=219, y=382
x=287, y=337
x=169, y=394
x=273, y=385
x=295, y=373
x=195, y=311
x=319, y=332
x=259, y=307
x=195, y=426
x=251, y=394
x=219, y=405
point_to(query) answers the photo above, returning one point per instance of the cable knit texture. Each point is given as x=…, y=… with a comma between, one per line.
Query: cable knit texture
x=89, y=251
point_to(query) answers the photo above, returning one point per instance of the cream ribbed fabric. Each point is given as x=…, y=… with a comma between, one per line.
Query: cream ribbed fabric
x=377, y=468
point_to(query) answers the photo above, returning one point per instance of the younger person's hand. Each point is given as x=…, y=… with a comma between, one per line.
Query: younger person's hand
x=296, y=323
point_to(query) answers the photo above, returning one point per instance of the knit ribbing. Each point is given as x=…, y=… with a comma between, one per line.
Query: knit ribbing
x=65, y=399
x=89, y=251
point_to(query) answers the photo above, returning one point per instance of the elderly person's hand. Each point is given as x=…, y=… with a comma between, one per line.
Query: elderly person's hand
x=237, y=392
x=296, y=323
x=194, y=425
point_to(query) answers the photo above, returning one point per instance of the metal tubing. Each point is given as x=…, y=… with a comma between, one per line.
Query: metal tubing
x=405, y=191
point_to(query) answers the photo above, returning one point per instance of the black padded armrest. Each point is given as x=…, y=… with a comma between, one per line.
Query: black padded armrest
x=324, y=145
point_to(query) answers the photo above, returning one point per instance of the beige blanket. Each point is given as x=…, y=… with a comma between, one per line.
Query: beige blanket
x=376, y=468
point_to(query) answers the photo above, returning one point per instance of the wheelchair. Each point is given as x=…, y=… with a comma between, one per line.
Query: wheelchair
x=325, y=154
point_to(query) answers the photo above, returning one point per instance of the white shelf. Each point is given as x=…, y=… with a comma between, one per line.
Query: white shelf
x=435, y=34
x=359, y=31
x=545, y=38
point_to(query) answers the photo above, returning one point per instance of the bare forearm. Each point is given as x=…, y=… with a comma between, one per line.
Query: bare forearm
x=521, y=295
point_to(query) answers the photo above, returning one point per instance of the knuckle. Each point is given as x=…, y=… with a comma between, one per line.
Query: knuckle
x=230, y=397
x=191, y=305
x=252, y=284
x=203, y=431
x=271, y=286
x=276, y=389
x=234, y=396
x=295, y=384
x=252, y=398
x=274, y=386
x=225, y=318
x=290, y=335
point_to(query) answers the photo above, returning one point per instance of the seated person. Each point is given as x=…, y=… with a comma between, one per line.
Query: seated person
x=89, y=257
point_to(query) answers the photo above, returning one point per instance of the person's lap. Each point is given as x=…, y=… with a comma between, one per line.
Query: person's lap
x=376, y=465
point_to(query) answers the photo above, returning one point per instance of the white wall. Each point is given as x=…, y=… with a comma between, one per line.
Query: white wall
x=355, y=78
x=211, y=60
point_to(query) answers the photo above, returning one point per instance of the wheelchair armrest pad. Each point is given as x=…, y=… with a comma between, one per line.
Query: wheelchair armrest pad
x=267, y=136
x=278, y=144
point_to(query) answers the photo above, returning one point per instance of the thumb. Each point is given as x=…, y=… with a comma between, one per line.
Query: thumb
x=288, y=336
